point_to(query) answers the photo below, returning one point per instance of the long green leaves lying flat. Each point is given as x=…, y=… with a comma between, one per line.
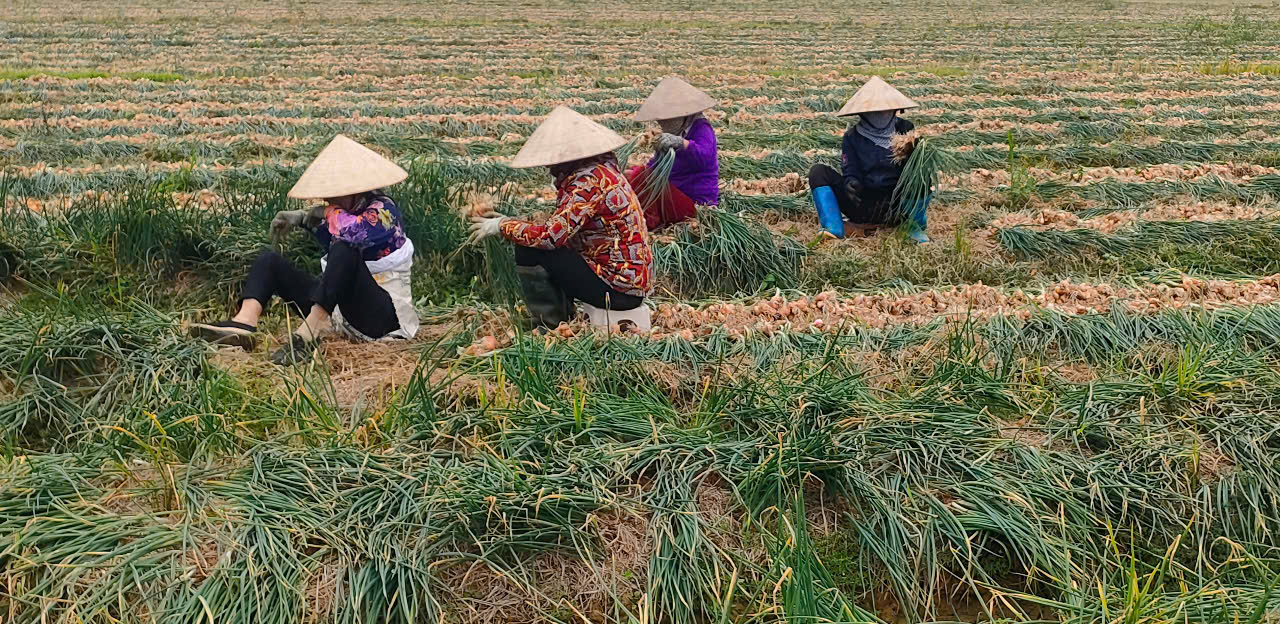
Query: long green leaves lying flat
x=985, y=471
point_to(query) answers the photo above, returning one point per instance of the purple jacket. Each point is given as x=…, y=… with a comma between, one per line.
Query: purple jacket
x=696, y=171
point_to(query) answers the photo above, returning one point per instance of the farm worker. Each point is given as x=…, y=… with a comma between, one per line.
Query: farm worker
x=363, y=289
x=595, y=247
x=863, y=190
x=695, y=174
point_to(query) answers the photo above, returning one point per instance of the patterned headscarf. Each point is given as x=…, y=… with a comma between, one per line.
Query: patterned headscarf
x=878, y=127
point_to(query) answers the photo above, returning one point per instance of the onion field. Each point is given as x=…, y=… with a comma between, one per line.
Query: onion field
x=1064, y=409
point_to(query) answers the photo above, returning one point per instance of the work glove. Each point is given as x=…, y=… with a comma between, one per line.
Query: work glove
x=853, y=191
x=285, y=221
x=314, y=217
x=668, y=141
x=485, y=225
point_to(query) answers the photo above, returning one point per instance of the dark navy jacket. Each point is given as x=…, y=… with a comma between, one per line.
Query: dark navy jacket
x=868, y=164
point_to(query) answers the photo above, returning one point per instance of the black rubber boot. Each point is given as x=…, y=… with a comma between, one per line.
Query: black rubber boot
x=547, y=304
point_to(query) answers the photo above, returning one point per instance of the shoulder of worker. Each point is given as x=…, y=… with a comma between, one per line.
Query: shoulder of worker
x=903, y=126
x=592, y=179
x=850, y=139
x=701, y=125
x=378, y=199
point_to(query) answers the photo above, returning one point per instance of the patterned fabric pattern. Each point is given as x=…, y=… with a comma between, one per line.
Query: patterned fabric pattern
x=599, y=217
x=374, y=226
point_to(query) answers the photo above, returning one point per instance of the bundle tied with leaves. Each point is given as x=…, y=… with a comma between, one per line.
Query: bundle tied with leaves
x=922, y=162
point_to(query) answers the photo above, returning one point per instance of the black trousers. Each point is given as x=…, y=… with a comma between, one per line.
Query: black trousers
x=858, y=206
x=346, y=283
x=570, y=273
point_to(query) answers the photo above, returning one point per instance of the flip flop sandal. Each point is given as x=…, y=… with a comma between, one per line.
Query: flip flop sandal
x=226, y=333
x=297, y=351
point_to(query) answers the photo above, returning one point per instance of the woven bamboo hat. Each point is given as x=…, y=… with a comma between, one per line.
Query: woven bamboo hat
x=345, y=167
x=564, y=136
x=672, y=98
x=876, y=96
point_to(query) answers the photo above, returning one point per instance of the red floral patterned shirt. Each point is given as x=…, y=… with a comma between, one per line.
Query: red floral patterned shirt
x=597, y=215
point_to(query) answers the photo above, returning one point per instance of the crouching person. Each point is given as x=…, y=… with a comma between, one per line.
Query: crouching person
x=863, y=190
x=694, y=178
x=363, y=289
x=595, y=248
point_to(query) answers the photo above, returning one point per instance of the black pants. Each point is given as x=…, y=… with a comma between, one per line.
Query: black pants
x=570, y=273
x=858, y=206
x=346, y=283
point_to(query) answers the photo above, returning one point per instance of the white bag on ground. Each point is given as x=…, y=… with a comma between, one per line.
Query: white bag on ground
x=602, y=317
x=392, y=273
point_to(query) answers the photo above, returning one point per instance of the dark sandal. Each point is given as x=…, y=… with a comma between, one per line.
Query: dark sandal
x=297, y=351
x=226, y=333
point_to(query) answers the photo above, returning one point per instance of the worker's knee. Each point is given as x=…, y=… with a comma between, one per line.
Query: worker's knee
x=341, y=252
x=822, y=175
x=528, y=256
x=267, y=259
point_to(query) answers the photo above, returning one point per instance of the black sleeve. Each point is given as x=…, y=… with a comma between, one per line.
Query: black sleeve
x=903, y=126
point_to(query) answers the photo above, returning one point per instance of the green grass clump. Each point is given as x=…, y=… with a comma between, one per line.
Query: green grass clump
x=1231, y=67
x=1224, y=248
x=726, y=254
x=23, y=74
x=942, y=476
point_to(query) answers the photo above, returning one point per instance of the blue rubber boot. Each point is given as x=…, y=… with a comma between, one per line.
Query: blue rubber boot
x=829, y=217
x=919, y=220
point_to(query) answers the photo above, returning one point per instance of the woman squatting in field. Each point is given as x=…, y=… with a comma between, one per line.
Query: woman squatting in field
x=595, y=248
x=863, y=190
x=363, y=290
x=695, y=172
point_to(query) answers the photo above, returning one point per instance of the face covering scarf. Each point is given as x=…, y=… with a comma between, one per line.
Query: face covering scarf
x=877, y=127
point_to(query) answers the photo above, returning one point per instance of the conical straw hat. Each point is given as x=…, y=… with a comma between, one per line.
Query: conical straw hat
x=564, y=136
x=673, y=98
x=345, y=167
x=875, y=96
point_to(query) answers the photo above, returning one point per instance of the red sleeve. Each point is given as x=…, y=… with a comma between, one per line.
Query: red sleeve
x=575, y=206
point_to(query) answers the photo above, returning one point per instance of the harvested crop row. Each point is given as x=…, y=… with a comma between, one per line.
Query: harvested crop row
x=1200, y=211
x=830, y=311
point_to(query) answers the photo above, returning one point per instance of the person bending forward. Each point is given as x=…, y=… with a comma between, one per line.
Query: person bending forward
x=595, y=248
x=695, y=174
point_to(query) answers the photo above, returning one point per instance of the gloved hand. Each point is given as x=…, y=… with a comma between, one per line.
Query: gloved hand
x=668, y=141
x=853, y=190
x=485, y=225
x=314, y=217
x=285, y=221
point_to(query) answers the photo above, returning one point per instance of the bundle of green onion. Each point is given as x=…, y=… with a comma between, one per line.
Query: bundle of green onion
x=654, y=188
x=921, y=172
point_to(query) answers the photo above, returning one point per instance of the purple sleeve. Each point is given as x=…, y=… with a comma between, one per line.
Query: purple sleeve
x=702, y=144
